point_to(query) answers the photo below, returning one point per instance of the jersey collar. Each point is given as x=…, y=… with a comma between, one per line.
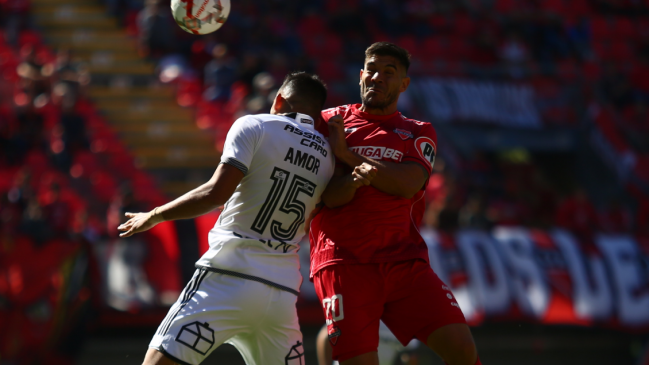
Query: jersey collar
x=303, y=120
x=373, y=117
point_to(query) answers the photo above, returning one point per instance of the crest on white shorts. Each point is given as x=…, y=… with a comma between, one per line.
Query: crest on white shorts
x=295, y=355
x=197, y=336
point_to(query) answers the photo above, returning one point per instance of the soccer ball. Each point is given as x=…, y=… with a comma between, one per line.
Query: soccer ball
x=200, y=16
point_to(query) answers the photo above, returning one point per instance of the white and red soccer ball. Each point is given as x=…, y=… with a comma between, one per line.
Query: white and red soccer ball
x=200, y=16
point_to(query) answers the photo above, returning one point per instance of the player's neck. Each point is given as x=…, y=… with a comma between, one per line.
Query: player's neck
x=390, y=109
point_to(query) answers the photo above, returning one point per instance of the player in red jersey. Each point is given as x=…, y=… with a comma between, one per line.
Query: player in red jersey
x=368, y=260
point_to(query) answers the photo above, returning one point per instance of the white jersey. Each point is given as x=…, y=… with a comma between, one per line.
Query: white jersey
x=287, y=165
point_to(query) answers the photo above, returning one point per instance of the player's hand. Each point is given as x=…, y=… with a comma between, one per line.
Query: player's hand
x=139, y=222
x=363, y=175
x=337, y=135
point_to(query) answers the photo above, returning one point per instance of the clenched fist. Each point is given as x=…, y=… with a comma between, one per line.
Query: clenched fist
x=363, y=174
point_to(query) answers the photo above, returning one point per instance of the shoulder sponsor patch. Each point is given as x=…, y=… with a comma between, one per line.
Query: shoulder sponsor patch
x=404, y=134
x=306, y=121
x=427, y=149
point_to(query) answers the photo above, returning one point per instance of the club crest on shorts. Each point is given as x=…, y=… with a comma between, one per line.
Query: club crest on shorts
x=426, y=148
x=197, y=336
x=295, y=355
x=333, y=333
x=404, y=134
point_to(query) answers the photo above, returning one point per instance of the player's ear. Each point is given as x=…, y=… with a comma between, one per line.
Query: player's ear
x=278, y=104
x=405, y=82
x=360, y=77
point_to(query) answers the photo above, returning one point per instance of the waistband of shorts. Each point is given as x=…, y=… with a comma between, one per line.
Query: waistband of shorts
x=248, y=277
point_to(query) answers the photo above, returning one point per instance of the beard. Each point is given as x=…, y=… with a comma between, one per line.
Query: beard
x=375, y=102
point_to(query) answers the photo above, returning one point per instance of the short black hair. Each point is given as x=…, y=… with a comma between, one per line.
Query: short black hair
x=308, y=89
x=389, y=49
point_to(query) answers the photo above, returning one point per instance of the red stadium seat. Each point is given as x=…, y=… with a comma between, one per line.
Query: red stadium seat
x=84, y=164
x=464, y=25
x=433, y=47
x=506, y=6
x=554, y=6
x=624, y=29
x=409, y=43
x=567, y=69
x=578, y=8
x=591, y=71
x=639, y=76
x=104, y=186
x=642, y=28
x=330, y=70
x=600, y=28
x=621, y=51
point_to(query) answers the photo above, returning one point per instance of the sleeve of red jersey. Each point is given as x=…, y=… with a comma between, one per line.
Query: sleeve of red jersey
x=423, y=148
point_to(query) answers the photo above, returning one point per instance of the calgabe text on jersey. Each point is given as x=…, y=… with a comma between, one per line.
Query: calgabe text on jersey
x=310, y=140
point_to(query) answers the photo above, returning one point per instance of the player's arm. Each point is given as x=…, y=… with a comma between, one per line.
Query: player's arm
x=342, y=186
x=194, y=203
x=401, y=179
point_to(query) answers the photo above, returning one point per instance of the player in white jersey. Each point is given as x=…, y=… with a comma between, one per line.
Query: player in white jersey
x=273, y=170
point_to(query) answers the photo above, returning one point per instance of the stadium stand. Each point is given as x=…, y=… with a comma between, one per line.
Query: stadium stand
x=107, y=106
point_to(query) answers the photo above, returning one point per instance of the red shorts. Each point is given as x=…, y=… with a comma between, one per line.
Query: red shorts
x=407, y=295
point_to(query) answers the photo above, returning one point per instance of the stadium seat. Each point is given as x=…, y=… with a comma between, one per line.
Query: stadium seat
x=506, y=6
x=556, y=7
x=578, y=8
x=84, y=164
x=600, y=28
x=624, y=29
x=433, y=48
x=464, y=25
x=591, y=71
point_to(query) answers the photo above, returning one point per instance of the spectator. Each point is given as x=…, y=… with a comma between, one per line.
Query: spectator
x=30, y=125
x=34, y=223
x=73, y=123
x=157, y=30
x=577, y=214
x=262, y=97
x=219, y=75
x=64, y=72
x=14, y=17
x=615, y=87
x=57, y=212
x=474, y=214
x=615, y=218
x=514, y=53
x=578, y=32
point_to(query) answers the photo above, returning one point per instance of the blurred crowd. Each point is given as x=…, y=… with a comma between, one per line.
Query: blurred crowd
x=573, y=53
x=513, y=190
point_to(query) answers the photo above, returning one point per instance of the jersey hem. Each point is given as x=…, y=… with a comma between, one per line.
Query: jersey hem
x=248, y=277
x=372, y=261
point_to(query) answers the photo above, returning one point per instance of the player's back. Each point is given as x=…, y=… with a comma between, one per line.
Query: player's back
x=286, y=165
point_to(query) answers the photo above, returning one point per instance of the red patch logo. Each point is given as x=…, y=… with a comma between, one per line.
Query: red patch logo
x=334, y=333
x=427, y=149
x=404, y=134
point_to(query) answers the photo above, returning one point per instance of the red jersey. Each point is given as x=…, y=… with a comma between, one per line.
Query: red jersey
x=375, y=227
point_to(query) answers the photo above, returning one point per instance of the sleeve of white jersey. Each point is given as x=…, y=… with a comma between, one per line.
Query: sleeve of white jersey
x=241, y=143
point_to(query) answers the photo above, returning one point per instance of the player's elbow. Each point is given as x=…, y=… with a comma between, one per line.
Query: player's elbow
x=331, y=202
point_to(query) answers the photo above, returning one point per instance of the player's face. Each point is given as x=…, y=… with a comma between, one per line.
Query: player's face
x=382, y=80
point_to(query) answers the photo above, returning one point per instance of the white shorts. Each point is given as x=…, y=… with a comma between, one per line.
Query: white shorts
x=259, y=320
